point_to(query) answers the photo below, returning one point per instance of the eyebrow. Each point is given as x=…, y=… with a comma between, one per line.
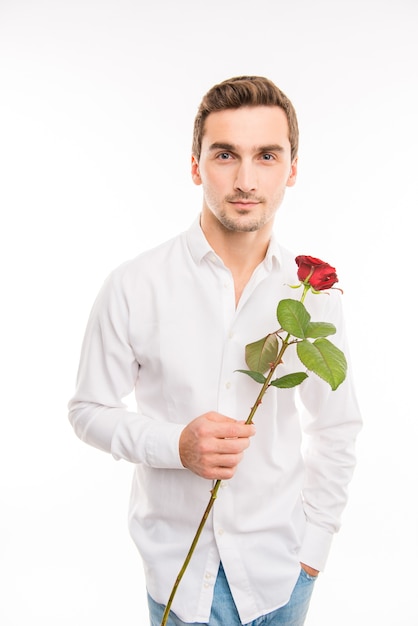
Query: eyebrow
x=274, y=147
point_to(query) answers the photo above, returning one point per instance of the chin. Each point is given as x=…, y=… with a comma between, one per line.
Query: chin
x=242, y=225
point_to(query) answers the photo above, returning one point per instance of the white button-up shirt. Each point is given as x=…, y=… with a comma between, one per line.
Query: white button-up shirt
x=166, y=325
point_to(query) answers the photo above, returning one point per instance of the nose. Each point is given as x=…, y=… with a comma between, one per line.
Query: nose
x=245, y=179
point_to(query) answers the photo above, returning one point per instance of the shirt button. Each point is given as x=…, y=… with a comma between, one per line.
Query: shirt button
x=221, y=531
x=228, y=384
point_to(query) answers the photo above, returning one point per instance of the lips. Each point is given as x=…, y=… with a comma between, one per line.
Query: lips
x=244, y=205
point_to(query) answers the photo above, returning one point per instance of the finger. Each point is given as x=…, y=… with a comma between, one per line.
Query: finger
x=224, y=469
x=231, y=446
x=226, y=427
x=235, y=430
x=218, y=417
x=228, y=460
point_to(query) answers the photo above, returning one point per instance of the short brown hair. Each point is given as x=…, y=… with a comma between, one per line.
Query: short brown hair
x=244, y=91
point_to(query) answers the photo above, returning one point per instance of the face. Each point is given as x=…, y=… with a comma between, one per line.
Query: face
x=244, y=167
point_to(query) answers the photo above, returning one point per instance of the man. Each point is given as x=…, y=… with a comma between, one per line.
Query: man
x=173, y=324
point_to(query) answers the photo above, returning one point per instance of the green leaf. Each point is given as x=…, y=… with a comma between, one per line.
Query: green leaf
x=262, y=353
x=293, y=317
x=324, y=359
x=320, y=329
x=259, y=378
x=290, y=380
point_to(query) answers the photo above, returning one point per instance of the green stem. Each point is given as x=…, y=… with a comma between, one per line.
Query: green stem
x=213, y=495
x=215, y=489
x=306, y=288
x=266, y=383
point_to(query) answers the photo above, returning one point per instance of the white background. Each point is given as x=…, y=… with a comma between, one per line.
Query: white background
x=97, y=100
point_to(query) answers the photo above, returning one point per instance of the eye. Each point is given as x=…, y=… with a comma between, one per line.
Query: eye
x=223, y=156
x=267, y=157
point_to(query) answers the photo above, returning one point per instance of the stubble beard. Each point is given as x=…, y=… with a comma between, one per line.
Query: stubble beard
x=239, y=226
x=242, y=220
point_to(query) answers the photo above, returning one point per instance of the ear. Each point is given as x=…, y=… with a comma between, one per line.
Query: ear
x=195, y=171
x=293, y=173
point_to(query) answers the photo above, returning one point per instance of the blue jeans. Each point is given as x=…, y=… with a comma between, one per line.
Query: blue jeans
x=224, y=612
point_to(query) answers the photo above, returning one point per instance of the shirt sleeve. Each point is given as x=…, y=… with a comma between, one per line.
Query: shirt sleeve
x=108, y=373
x=331, y=421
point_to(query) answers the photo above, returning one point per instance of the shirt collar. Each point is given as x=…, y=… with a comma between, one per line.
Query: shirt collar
x=198, y=244
x=200, y=248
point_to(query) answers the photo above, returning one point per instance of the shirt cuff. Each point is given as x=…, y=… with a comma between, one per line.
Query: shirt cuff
x=138, y=439
x=315, y=547
x=162, y=446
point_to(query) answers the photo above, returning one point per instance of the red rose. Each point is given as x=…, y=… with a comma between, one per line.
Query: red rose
x=316, y=273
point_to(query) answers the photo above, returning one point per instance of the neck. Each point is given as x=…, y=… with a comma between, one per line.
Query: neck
x=241, y=252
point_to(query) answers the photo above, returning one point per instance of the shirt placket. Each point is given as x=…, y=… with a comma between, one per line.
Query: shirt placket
x=228, y=404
